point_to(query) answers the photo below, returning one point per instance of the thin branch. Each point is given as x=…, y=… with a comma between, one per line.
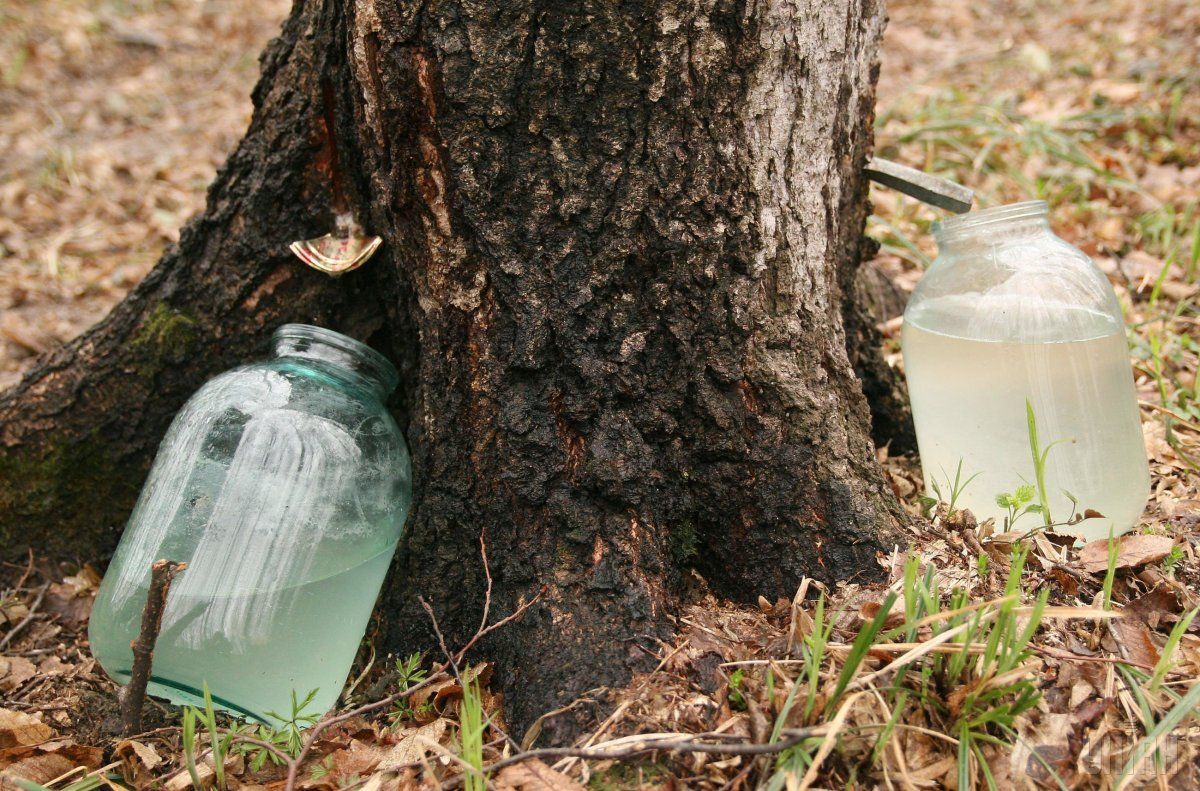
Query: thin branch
x=450, y=657
x=442, y=641
x=25, y=575
x=29, y=616
x=517, y=613
x=133, y=696
x=632, y=746
x=487, y=572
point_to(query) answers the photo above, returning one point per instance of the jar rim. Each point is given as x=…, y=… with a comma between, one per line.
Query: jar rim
x=996, y=215
x=375, y=363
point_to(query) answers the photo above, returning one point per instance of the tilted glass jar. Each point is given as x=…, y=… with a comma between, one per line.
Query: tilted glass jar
x=1018, y=370
x=284, y=485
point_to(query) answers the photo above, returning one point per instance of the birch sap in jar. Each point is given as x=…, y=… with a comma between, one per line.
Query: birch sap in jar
x=1021, y=386
x=284, y=486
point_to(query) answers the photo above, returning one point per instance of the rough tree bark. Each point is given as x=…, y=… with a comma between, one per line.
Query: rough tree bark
x=619, y=243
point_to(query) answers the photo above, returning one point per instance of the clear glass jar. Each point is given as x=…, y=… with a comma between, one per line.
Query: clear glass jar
x=1014, y=339
x=284, y=485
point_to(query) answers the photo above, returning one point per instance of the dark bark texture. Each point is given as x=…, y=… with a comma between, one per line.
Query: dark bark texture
x=620, y=245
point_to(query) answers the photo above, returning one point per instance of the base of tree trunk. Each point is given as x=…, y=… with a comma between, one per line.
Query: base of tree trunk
x=617, y=272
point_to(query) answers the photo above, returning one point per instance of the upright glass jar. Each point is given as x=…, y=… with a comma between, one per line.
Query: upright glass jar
x=1020, y=381
x=284, y=485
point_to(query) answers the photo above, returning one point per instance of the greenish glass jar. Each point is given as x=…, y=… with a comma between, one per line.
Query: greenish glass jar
x=284, y=485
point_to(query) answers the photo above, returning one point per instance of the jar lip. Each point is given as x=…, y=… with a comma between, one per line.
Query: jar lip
x=997, y=215
x=375, y=363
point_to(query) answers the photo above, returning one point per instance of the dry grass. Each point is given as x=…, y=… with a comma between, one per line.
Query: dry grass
x=115, y=117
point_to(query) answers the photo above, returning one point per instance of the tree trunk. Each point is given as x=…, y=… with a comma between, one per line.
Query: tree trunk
x=619, y=241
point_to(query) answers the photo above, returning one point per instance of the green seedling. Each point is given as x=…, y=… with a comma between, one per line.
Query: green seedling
x=737, y=700
x=1110, y=573
x=1017, y=504
x=471, y=727
x=286, y=738
x=409, y=673
x=954, y=489
x=218, y=742
x=1040, y=456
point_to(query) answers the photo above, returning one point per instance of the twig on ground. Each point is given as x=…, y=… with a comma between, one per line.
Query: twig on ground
x=28, y=619
x=972, y=541
x=627, y=747
x=25, y=574
x=133, y=696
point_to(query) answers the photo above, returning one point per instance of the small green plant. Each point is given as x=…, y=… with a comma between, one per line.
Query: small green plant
x=218, y=742
x=322, y=769
x=1040, y=456
x=1017, y=504
x=471, y=726
x=980, y=689
x=286, y=738
x=1110, y=574
x=954, y=489
x=1172, y=560
x=409, y=673
x=737, y=700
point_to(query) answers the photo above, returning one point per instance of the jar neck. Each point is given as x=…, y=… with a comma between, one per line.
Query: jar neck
x=994, y=226
x=338, y=355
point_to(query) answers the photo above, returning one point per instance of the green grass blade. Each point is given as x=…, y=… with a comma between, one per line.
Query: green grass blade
x=858, y=651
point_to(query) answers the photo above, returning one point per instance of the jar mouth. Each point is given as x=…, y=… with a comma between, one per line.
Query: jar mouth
x=365, y=360
x=997, y=216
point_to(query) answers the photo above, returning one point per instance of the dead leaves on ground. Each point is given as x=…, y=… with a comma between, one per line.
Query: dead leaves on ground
x=29, y=751
x=1133, y=549
x=15, y=671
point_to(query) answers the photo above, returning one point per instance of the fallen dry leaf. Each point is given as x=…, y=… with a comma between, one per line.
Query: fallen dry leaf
x=44, y=762
x=1133, y=549
x=1150, y=608
x=18, y=729
x=15, y=671
x=183, y=780
x=137, y=761
x=40, y=769
x=446, y=691
x=411, y=747
x=1133, y=641
x=533, y=775
x=12, y=611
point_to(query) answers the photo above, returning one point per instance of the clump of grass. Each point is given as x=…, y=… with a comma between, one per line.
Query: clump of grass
x=974, y=686
x=953, y=490
x=218, y=743
x=982, y=688
x=471, y=725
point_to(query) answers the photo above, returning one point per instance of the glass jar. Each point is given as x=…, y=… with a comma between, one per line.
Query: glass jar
x=1019, y=375
x=284, y=485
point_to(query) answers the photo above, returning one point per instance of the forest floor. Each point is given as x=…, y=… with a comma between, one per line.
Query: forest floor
x=1052, y=666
